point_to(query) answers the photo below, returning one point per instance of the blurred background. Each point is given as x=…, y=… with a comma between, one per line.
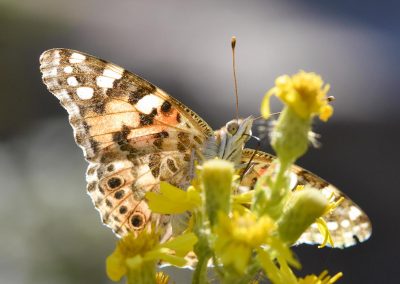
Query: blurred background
x=49, y=230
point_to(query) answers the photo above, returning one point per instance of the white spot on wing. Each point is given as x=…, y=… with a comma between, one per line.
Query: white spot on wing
x=85, y=93
x=51, y=72
x=293, y=180
x=345, y=223
x=332, y=225
x=327, y=191
x=318, y=238
x=115, y=73
x=72, y=81
x=348, y=237
x=56, y=57
x=147, y=103
x=354, y=213
x=68, y=69
x=77, y=58
x=146, y=178
x=104, y=82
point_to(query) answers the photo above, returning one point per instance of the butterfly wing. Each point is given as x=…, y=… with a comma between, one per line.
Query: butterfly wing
x=132, y=134
x=348, y=224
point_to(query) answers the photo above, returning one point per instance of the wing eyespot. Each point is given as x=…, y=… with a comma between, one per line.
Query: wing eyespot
x=138, y=220
x=114, y=182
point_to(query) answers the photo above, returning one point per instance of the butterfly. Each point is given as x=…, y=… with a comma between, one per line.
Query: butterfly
x=135, y=135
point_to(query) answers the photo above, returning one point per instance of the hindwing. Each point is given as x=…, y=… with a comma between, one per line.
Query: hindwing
x=347, y=224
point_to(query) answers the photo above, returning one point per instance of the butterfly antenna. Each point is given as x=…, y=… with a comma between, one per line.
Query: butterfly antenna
x=233, y=44
x=272, y=114
x=252, y=157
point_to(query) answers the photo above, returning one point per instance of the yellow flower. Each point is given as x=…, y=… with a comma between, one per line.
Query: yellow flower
x=278, y=275
x=282, y=274
x=323, y=278
x=241, y=202
x=162, y=278
x=136, y=256
x=173, y=200
x=237, y=237
x=304, y=92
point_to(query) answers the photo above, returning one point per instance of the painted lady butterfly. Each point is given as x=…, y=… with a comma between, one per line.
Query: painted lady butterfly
x=134, y=135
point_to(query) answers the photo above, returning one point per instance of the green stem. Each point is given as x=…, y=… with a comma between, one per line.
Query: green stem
x=200, y=273
x=143, y=275
x=230, y=277
x=278, y=186
x=202, y=251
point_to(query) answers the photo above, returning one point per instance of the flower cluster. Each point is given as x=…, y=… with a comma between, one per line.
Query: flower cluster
x=240, y=234
x=304, y=92
x=136, y=256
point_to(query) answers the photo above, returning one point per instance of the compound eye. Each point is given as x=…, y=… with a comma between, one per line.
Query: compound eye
x=232, y=127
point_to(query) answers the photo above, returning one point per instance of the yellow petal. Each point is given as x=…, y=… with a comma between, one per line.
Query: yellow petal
x=304, y=92
x=269, y=267
x=166, y=255
x=162, y=278
x=172, y=200
x=174, y=260
x=265, y=109
x=326, y=113
x=115, y=266
x=182, y=244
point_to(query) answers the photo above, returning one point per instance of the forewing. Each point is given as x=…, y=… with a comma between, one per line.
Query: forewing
x=348, y=224
x=132, y=133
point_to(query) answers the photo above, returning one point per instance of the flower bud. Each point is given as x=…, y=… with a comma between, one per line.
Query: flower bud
x=301, y=210
x=289, y=137
x=217, y=178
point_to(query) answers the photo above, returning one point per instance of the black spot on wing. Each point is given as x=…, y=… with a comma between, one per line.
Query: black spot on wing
x=119, y=194
x=123, y=209
x=136, y=96
x=114, y=182
x=166, y=106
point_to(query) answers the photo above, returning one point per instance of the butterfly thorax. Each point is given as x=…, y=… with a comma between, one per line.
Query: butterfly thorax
x=228, y=142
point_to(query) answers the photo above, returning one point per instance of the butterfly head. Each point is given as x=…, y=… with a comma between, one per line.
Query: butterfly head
x=232, y=138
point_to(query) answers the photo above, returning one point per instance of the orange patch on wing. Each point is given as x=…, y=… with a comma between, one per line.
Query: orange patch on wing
x=262, y=171
x=169, y=118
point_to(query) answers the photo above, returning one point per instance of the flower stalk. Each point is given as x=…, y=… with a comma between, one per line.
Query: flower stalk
x=217, y=176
